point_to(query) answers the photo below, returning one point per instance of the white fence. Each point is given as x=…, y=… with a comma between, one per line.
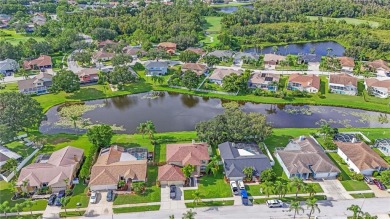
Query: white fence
x=20, y=166
x=272, y=161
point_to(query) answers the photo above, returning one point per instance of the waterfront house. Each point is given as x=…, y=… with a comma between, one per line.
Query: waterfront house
x=378, y=88
x=168, y=47
x=309, y=83
x=39, y=84
x=88, y=75
x=304, y=158
x=170, y=175
x=8, y=67
x=156, y=68
x=219, y=73
x=380, y=67
x=240, y=57
x=222, y=54
x=347, y=63
x=265, y=81
x=42, y=62
x=343, y=84
x=199, y=69
x=271, y=60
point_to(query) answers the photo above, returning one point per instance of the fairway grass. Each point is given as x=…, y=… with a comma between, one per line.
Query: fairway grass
x=353, y=21
x=213, y=24
x=16, y=38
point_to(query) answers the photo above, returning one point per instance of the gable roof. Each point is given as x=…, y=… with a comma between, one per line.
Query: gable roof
x=107, y=42
x=170, y=173
x=373, y=82
x=346, y=61
x=102, y=54
x=114, y=162
x=30, y=83
x=310, y=80
x=362, y=155
x=308, y=57
x=156, y=64
x=344, y=79
x=198, y=51
x=167, y=44
x=237, y=156
x=220, y=73
x=88, y=71
x=379, y=64
x=187, y=153
x=240, y=55
x=260, y=78
x=130, y=50
x=305, y=156
x=60, y=166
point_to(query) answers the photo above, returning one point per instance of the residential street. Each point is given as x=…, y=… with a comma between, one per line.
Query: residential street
x=329, y=209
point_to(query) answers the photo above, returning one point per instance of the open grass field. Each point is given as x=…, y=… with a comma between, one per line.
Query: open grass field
x=213, y=24
x=16, y=38
x=348, y=20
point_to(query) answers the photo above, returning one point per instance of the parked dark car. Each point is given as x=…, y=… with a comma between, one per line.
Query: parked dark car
x=58, y=199
x=52, y=200
x=379, y=184
x=368, y=180
x=110, y=195
x=172, y=192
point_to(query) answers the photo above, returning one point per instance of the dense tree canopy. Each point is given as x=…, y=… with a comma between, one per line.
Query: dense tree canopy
x=65, y=80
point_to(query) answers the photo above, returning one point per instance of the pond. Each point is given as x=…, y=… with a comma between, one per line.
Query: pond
x=180, y=112
x=231, y=9
x=318, y=48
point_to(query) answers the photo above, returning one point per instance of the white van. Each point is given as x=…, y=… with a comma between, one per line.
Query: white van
x=241, y=184
x=233, y=185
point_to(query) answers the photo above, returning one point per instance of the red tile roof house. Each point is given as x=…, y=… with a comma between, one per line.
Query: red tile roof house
x=88, y=75
x=168, y=46
x=42, y=62
x=347, y=63
x=179, y=155
x=343, y=84
x=309, y=83
x=378, y=88
x=105, y=43
x=382, y=68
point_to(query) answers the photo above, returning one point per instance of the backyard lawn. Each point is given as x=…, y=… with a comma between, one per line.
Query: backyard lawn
x=152, y=193
x=211, y=187
x=136, y=209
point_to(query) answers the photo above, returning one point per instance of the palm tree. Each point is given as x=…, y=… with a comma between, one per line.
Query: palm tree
x=150, y=129
x=64, y=201
x=368, y=216
x=142, y=128
x=197, y=198
x=269, y=188
x=23, y=73
x=248, y=171
x=28, y=204
x=356, y=211
x=310, y=188
x=312, y=205
x=5, y=208
x=213, y=165
x=296, y=207
x=275, y=49
x=17, y=208
x=261, y=49
x=298, y=184
x=189, y=214
x=280, y=188
x=171, y=216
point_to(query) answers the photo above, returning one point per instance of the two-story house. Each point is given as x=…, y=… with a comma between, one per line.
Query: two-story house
x=378, y=88
x=180, y=155
x=8, y=67
x=265, y=81
x=309, y=83
x=343, y=84
x=39, y=84
x=156, y=68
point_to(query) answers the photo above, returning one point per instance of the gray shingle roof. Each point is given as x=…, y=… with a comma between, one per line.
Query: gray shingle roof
x=250, y=156
x=156, y=65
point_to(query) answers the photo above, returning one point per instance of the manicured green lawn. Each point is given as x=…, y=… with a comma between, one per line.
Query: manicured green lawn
x=15, y=38
x=211, y=203
x=211, y=187
x=6, y=195
x=152, y=194
x=19, y=148
x=353, y=185
x=72, y=213
x=136, y=209
x=28, y=216
x=289, y=199
x=9, y=87
x=79, y=196
x=348, y=20
x=254, y=190
x=363, y=195
x=213, y=23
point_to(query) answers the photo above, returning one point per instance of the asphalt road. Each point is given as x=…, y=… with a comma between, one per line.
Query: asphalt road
x=329, y=209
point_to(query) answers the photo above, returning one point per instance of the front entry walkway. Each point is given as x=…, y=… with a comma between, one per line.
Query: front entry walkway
x=167, y=203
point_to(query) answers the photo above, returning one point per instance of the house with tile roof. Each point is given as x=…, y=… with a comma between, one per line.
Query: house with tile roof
x=169, y=47
x=219, y=73
x=361, y=158
x=199, y=69
x=271, y=60
x=106, y=43
x=380, y=67
x=102, y=56
x=378, y=88
x=42, y=62
x=8, y=67
x=347, y=63
x=88, y=75
x=198, y=51
x=241, y=56
x=39, y=84
x=170, y=175
x=265, y=81
x=222, y=54
x=304, y=158
x=236, y=156
x=115, y=164
x=52, y=172
x=180, y=155
x=309, y=83
x=134, y=51
x=343, y=84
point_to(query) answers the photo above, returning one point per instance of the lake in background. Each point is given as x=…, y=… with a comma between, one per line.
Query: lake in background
x=180, y=112
x=231, y=9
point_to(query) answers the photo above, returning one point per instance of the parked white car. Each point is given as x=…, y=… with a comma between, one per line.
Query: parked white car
x=93, y=198
x=234, y=187
x=241, y=184
x=274, y=203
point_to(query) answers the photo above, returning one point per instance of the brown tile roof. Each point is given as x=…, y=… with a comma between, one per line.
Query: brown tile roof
x=114, y=162
x=42, y=60
x=60, y=166
x=273, y=57
x=219, y=73
x=198, y=51
x=379, y=64
x=344, y=79
x=362, y=155
x=195, y=67
x=310, y=80
x=347, y=61
x=260, y=78
x=167, y=44
x=170, y=173
x=133, y=51
x=373, y=82
x=299, y=154
x=106, y=42
x=102, y=54
x=187, y=153
x=88, y=71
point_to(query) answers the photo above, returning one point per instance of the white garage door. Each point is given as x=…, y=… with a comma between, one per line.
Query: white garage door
x=103, y=187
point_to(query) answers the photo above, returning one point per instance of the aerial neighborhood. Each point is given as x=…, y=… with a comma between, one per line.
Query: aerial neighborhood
x=199, y=109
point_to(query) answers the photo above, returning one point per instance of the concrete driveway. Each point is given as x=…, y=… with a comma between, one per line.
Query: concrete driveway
x=52, y=212
x=167, y=203
x=379, y=193
x=102, y=206
x=334, y=190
